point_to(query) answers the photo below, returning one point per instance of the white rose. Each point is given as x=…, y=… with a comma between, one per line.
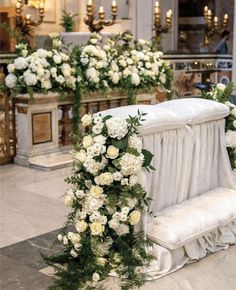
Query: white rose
x=131, y=202
x=73, y=253
x=100, y=139
x=81, y=156
x=96, y=191
x=101, y=261
x=133, y=180
x=65, y=240
x=56, y=42
x=81, y=226
x=221, y=87
x=24, y=52
x=105, y=178
x=97, y=228
x=46, y=84
x=80, y=193
x=10, y=80
x=11, y=68
x=97, y=129
x=74, y=238
x=60, y=237
x=87, y=141
x=134, y=217
x=60, y=79
x=69, y=201
x=123, y=217
x=96, y=277
x=113, y=224
x=117, y=176
x=122, y=230
x=125, y=181
x=117, y=127
x=112, y=152
x=86, y=120
x=125, y=210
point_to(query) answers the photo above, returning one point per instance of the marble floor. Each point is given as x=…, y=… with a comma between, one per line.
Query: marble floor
x=32, y=211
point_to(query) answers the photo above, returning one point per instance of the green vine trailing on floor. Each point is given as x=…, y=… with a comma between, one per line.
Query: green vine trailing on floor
x=107, y=199
x=222, y=94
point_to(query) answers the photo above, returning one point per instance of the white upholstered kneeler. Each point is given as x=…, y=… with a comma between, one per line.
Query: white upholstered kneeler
x=193, y=190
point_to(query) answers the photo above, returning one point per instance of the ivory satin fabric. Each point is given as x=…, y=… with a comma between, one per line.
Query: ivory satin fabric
x=187, y=138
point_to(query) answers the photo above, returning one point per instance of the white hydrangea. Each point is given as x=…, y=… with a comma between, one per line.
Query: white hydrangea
x=117, y=127
x=92, y=74
x=135, y=142
x=117, y=176
x=230, y=138
x=30, y=78
x=94, y=167
x=20, y=63
x=100, y=139
x=135, y=79
x=131, y=164
x=42, y=52
x=57, y=59
x=10, y=80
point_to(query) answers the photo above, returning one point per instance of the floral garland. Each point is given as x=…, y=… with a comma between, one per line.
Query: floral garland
x=222, y=93
x=107, y=199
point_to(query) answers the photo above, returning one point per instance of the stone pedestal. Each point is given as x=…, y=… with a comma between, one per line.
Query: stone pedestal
x=37, y=132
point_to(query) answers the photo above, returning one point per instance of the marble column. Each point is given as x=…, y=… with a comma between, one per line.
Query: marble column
x=234, y=51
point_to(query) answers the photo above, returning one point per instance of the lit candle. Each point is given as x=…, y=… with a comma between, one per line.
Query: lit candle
x=157, y=4
x=170, y=12
x=206, y=9
x=90, y=2
x=226, y=16
x=41, y=5
x=28, y=16
x=215, y=19
x=101, y=9
x=114, y=3
x=209, y=12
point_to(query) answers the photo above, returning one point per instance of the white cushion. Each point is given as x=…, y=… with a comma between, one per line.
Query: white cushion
x=197, y=110
x=156, y=120
x=178, y=225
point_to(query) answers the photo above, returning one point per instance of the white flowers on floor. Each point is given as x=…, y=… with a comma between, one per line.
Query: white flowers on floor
x=107, y=201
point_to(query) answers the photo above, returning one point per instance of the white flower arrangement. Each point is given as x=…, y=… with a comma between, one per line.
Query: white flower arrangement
x=221, y=93
x=41, y=70
x=107, y=201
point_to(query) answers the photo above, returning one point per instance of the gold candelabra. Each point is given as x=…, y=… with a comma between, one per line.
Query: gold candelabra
x=24, y=23
x=97, y=25
x=212, y=26
x=158, y=27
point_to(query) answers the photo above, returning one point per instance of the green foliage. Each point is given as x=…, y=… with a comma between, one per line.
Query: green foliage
x=68, y=20
x=85, y=253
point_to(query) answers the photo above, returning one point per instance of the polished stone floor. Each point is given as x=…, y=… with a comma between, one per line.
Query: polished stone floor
x=32, y=210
